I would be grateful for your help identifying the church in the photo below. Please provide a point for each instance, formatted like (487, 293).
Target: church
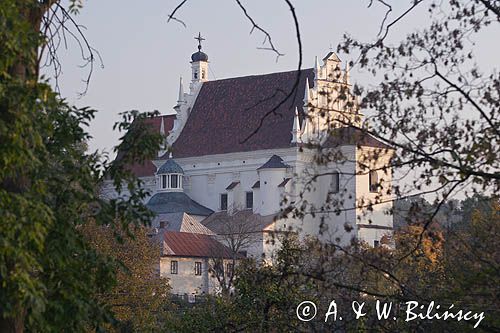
(239, 152)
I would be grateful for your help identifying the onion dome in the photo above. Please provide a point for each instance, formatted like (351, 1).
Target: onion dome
(199, 56)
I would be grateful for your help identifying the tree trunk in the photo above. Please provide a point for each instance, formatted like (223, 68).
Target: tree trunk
(25, 70)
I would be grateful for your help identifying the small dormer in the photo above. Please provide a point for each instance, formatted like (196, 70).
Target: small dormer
(169, 177)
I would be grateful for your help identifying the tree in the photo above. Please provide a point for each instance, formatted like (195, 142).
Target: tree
(139, 295)
(49, 185)
(240, 232)
(433, 103)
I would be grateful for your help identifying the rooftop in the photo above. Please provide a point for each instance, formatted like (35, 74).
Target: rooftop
(227, 112)
(176, 202)
(147, 168)
(275, 162)
(185, 244)
(181, 222)
(170, 166)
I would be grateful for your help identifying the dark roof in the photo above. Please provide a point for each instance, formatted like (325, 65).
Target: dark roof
(199, 56)
(257, 184)
(275, 162)
(185, 244)
(353, 136)
(176, 202)
(226, 112)
(170, 166)
(284, 182)
(232, 185)
(148, 168)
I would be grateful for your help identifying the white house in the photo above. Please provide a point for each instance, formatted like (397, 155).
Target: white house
(195, 263)
(238, 147)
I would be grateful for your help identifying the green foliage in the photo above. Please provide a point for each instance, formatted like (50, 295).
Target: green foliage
(50, 276)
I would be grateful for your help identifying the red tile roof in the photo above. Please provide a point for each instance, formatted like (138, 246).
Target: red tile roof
(148, 168)
(185, 244)
(227, 111)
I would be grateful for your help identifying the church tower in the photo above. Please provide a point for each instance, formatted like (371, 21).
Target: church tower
(199, 64)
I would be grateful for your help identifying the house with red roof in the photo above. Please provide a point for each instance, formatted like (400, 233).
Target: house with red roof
(196, 263)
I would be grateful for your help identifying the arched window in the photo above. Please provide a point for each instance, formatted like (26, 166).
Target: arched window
(174, 181)
(374, 183)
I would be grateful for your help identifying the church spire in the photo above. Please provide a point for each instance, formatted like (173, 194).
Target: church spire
(307, 94)
(163, 145)
(305, 135)
(317, 69)
(162, 126)
(347, 75)
(296, 127)
(181, 99)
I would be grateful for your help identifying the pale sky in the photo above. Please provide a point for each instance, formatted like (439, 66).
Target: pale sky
(144, 56)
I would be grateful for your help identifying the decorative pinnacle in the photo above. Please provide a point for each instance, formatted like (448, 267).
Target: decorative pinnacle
(199, 38)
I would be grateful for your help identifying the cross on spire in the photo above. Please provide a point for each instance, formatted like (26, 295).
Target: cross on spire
(199, 38)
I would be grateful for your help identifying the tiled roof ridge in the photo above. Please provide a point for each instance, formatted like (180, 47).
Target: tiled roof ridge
(257, 75)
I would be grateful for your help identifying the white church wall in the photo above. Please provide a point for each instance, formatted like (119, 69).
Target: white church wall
(270, 199)
(256, 200)
(209, 176)
(379, 215)
(328, 226)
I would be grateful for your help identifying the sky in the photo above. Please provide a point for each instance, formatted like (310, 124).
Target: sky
(143, 55)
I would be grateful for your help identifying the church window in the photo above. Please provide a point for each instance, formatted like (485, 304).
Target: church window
(195, 74)
(335, 182)
(164, 181)
(373, 180)
(249, 200)
(376, 243)
(174, 181)
(202, 73)
(174, 267)
(197, 268)
(223, 201)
